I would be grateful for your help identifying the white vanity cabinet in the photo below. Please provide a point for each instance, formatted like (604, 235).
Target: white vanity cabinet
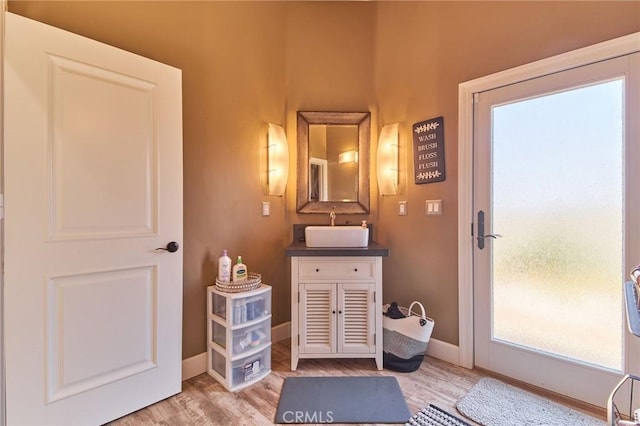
(336, 308)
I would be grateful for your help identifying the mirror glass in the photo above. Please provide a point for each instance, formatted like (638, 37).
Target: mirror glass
(333, 162)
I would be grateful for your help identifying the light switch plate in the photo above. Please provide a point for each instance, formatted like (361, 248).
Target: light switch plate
(433, 207)
(402, 208)
(266, 208)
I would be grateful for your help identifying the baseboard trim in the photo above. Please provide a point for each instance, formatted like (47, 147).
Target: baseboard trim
(444, 351)
(193, 366)
(281, 332)
(197, 364)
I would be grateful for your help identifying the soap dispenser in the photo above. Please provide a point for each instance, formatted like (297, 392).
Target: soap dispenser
(239, 270)
(224, 267)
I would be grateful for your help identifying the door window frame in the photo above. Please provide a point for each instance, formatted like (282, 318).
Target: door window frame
(3, 8)
(466, 94)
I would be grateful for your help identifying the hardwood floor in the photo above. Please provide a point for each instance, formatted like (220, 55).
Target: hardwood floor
(204, 401)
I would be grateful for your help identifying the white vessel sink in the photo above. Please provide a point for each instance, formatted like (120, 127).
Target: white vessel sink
(336, 236)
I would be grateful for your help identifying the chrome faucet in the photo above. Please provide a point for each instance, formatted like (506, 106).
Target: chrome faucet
(332, 216)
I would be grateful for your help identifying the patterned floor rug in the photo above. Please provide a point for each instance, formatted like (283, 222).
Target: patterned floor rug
(434, 416)
(494, 403)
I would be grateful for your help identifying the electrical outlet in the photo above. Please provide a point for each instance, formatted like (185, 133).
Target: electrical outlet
(266, 208)
(402, 208)
(433, 207)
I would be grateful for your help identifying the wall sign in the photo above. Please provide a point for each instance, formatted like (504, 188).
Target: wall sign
(428, 151)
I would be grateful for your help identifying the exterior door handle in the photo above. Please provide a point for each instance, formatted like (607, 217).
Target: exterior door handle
(494, 236)
(171, 247)
(481, 236)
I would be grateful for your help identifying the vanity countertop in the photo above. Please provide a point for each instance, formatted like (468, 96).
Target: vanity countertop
(299, 248)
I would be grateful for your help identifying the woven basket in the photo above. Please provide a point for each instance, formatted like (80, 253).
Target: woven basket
(402, 346)
(409, 336)
(252, 282)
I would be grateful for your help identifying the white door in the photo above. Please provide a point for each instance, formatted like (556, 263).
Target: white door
(556, 163)
(93, 185)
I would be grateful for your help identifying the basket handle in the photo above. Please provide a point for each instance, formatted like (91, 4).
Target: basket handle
(423, 318)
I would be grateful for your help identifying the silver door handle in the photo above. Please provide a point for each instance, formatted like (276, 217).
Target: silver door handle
(494, 236)
(481, 235)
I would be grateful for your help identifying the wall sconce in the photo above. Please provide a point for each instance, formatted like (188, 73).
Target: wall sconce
(348, 157)
(278, 158)
(388, 160)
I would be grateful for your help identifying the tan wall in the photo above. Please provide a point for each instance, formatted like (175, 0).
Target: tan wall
(423, 51)
(330, 67)
(248, 63)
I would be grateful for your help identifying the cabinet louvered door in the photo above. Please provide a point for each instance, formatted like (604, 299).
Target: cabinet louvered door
(318, 318)
(356, 332)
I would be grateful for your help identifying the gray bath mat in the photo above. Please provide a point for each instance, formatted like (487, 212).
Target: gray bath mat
(494, 403)
(376, 399)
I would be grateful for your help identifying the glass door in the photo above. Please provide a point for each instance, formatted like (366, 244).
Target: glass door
(552, 196)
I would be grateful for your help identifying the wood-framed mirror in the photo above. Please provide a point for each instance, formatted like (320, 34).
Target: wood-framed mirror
(333, 162)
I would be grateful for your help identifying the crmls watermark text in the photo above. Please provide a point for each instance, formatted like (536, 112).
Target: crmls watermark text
(307, 416)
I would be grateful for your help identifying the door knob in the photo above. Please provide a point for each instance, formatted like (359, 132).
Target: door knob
(171, 247)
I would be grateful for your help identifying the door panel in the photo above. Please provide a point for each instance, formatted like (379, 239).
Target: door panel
(355, 325)
(119, 151)
(549, 156)
(80, 345)
(318, 318)
(93, 185)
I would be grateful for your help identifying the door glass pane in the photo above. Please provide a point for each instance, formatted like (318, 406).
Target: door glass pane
(558, 202)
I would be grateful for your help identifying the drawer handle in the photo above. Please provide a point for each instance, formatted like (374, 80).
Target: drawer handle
(333, 312)
(317, 269)
(356, 269)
